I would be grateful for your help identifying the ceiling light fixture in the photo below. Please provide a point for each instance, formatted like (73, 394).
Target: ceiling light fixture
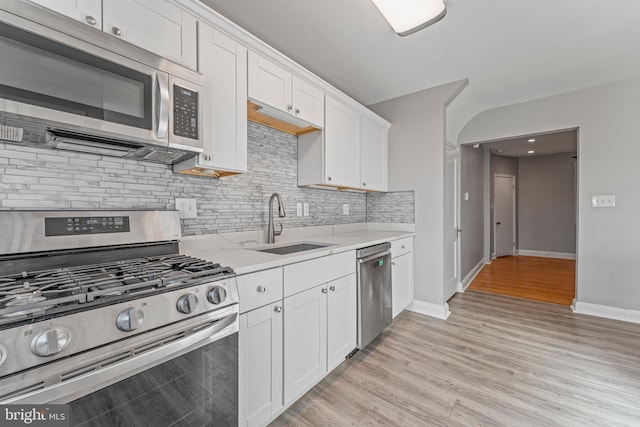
(408, 16)
(530, 152)
(532, 140)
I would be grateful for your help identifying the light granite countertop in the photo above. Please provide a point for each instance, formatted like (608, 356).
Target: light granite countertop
(237, 250)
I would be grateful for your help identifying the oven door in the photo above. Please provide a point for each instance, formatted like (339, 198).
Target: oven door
(182, 374)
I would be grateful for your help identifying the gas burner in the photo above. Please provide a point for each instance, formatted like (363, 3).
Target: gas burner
(25, 300)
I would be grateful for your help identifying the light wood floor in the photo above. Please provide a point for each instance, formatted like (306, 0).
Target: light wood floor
(541, 279)
(497, 361)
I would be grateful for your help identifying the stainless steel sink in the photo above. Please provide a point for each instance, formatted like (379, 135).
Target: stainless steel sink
(296, 247)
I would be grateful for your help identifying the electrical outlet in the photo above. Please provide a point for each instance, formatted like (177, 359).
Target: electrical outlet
(345, 209)
(298, 209)
(305, 209)
(187, 208)
(608, 201)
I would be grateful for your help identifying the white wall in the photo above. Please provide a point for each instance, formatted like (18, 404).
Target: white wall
(472, 210)
(608, 118)
(416, 162)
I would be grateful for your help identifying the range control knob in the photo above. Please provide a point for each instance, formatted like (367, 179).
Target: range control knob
(216, 295)
(3, 354)
(50, 342)
(187, 303)
(130, 319)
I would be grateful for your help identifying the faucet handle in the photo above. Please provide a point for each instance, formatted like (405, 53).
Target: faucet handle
(277, 233)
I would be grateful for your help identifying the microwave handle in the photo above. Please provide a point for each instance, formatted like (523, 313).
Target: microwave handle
(162, 105)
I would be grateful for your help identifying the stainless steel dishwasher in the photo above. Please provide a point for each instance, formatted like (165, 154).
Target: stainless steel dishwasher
(374, 291)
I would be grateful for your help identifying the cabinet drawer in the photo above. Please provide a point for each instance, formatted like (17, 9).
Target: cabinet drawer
(258, 289)
(305, 275)
(401, 246)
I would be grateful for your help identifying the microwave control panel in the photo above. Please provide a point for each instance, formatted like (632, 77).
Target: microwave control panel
(185, 112)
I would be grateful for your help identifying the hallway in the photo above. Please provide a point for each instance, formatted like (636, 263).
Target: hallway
(540, 279)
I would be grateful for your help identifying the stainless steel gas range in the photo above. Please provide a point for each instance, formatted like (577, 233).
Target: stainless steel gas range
(99, 310)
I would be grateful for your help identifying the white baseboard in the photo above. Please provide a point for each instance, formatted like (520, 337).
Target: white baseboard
(547, 254)
(429, 309)
(469, 277)
(609, 312)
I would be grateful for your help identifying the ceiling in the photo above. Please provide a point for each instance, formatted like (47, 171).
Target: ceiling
(550, 143)
(511, 51)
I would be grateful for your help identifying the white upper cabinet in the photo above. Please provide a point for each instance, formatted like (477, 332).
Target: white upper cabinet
(86, 11)
(223, 63)
(158, 26)
(342, 145)
(373, 155)
(308, 102)
(350, 153)
(273, 86)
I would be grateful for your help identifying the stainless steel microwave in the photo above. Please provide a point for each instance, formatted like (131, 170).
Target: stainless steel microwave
(80, 81)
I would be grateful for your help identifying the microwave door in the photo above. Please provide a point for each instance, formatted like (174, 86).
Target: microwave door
(49, 81)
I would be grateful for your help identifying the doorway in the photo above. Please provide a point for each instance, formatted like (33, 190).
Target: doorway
(528, 238)
(504, 208)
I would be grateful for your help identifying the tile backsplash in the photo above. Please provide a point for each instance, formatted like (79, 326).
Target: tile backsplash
(33, 178)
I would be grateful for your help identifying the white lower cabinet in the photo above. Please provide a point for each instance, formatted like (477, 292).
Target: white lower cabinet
(305, 340)
(342, 334)
(260, 364)
(401, 274)
(319, 332)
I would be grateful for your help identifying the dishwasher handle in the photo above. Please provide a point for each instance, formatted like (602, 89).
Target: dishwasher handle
(373, 257)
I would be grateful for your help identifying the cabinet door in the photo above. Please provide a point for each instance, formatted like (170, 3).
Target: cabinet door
(308, 102)
(269, 83)
(223, 62)
(373, 157)
(341, 319)
(342, 144)
(401, 282)
(305, 341)
(155, 25)
(86, 11)
(260, 364)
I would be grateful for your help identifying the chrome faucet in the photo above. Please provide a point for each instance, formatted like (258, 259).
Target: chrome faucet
(272, 233)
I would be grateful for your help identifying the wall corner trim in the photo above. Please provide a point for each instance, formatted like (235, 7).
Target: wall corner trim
(472, 275)
(430, 309)
(624, 314)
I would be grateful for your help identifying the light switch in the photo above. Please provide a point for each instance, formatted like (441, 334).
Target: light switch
(607, 201)
(466, 195)
(345, 209)
(305, 209)
(298, 209)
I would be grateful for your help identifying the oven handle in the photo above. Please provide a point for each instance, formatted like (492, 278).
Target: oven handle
(162, 104)
(75, 388)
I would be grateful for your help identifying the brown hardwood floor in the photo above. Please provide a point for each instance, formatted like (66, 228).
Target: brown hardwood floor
(497, 361)
(541, 279)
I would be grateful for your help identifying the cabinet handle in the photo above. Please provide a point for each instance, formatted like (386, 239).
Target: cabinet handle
(297, 111)
(277, 309)
(116, 31)
(402, 246)
(90, 20)
(393, 263)
(328, 178)
(332, 288)
(364, 184)
(206, 157)
(261, 289)
(324, 290)
(289, 107)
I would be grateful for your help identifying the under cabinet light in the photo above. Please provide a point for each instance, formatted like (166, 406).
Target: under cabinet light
(408, 16)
